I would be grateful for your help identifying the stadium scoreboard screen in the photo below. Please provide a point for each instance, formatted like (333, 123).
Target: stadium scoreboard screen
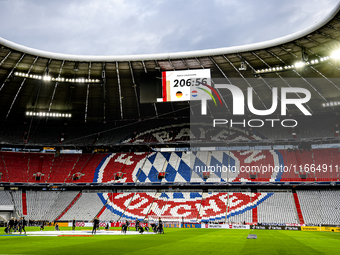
(172, 86)
(180, 85)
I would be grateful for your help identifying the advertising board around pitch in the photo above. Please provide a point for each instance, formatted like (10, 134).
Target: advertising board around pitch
(225, 226)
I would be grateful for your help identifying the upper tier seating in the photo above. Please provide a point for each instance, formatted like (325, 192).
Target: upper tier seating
(177, 167)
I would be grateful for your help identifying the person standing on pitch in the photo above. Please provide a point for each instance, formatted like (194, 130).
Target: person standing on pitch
(137, 224)
(16, 225)
(160, 226)
(95, 224)
(22, 225)
(74, 224)
(10, 225)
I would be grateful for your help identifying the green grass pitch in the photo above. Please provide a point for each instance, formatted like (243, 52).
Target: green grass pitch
(178, 241)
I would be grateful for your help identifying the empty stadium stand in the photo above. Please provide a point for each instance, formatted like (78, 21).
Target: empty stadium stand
(177, 167)
(274, 207)
(278, 208)
(67, 206)
(320, 207)
(6, 198)
(85, 208)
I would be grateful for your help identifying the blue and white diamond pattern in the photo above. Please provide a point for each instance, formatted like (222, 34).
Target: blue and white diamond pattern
(177, 167)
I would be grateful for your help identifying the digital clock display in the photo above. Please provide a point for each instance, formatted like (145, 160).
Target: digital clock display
(180, 85)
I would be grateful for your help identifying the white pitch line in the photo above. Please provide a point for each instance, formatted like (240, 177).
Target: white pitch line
(80, 233)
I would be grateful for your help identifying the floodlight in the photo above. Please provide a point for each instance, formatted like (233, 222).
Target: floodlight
(299, 64)
(335, 54)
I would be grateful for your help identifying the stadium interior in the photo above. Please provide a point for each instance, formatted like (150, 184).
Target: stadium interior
(77, 142)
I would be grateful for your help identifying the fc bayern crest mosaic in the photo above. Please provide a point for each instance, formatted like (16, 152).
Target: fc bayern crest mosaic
(190, 166)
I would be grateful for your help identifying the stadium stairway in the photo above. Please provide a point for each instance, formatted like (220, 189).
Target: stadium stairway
(161, 205)
(127, 206)
(69, 206)
(5, 175)
(24, 203)
(201, 210)
(254, 212)
(101, 211)
(154, 204)
(298, 208)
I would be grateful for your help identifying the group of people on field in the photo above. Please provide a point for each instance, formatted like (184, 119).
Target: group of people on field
(156, 228)
(15, 225)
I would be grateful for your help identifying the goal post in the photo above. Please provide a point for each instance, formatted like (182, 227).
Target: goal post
(168, 221)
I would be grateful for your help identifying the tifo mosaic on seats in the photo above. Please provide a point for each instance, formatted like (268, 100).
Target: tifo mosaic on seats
(277, 207)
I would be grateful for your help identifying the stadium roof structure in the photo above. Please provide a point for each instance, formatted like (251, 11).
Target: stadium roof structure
(106, 88)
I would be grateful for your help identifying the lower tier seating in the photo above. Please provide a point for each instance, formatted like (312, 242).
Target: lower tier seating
(275, 207)
(320, 207)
